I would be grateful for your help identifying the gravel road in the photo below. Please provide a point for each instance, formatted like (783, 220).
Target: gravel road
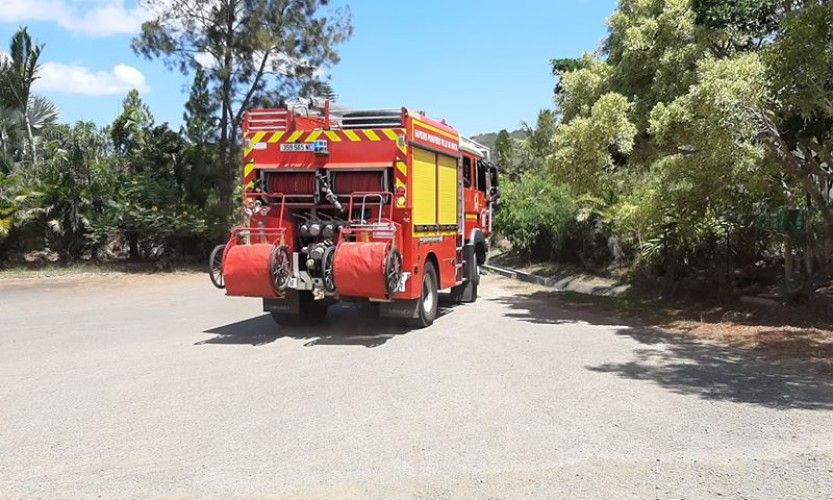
(159, 386)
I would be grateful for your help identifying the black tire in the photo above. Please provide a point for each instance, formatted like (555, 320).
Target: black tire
(311, 312)
(428, 300)
(215, 266)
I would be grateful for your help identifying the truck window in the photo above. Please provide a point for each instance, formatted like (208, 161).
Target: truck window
(482, 173)
(466, 171)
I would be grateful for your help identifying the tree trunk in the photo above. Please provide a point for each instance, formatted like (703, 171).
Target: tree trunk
(788, 266)
(226, 187)
(31, 136)
(133, 245)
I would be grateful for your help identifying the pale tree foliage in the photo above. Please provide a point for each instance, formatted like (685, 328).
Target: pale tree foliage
(700, 117)
(653, 49)
(708, 163)
(580, 89)
(586, 145)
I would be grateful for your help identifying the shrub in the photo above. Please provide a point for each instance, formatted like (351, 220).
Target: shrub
(536, 215)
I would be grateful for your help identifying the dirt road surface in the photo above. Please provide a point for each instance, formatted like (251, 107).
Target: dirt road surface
(159, 386)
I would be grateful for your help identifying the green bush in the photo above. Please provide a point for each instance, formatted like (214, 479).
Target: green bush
(536, 215)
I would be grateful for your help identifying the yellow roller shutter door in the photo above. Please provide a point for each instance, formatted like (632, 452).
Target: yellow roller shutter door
(424, 179)
(447, 191)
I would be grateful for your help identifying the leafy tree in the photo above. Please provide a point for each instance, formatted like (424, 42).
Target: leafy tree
(200, 123)
(536, 215)
(503, 148)
(738, 25)
(127, 130)
(586, 148)
(160, 204)
(653, 50)
(799, 130)
(563, 66)
(77, 182)
(251, 51)
(582, 87)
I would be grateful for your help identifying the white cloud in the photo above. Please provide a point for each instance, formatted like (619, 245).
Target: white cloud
(75, 79)
(96, 18)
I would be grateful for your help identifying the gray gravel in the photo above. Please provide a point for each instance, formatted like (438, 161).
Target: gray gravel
(159, 386)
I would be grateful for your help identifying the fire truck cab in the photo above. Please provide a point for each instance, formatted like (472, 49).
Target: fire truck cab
(385, 205)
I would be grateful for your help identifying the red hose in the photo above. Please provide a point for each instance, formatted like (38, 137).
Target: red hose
(246, 271)
(355, 182)
(359, 269)
(292, 183)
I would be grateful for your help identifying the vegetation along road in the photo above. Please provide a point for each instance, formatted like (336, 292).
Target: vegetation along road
(137, 385)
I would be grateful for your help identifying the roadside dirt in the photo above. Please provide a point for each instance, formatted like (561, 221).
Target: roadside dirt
(785, 333)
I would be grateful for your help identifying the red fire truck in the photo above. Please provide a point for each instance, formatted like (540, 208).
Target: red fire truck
(385, 205)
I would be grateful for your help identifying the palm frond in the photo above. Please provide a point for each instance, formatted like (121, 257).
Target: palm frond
(41, 112)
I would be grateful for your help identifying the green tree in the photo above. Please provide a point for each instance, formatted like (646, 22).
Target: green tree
(738, 25)
(76, 182)
(251, 51)
(160, 204)
(18, 79)
(503, 148)
(19, 108)
(798, 130)
(127, 130)
(660, 134)
(200, 122)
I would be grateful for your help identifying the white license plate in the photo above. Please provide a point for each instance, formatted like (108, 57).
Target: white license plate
(298, 148)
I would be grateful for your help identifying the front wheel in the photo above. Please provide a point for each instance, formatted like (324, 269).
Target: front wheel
(427, 308)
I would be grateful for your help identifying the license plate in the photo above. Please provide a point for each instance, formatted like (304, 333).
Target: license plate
(298, 148)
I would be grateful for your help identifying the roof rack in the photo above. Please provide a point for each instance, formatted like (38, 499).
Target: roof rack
(271, 119)
(371, 118)
(319, 109)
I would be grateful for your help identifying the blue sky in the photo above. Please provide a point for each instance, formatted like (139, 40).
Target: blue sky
(480, 64)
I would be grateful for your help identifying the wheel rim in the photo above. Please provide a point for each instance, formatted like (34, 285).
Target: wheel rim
(215, 266)
(280, 270)
(327, 270)
(393, 271)
(427, 294)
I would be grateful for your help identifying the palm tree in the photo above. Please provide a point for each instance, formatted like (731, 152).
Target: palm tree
(20, 72)
(10, 120)
(40, 112)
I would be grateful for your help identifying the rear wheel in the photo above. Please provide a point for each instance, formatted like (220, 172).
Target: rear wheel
(310, 312)
(427, 307)
(215, 266)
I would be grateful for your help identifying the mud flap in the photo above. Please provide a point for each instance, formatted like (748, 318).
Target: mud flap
(408, 309)
(289, 304)
(470, 268)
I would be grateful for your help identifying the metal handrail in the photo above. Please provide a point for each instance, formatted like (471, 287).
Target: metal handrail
(364, 196)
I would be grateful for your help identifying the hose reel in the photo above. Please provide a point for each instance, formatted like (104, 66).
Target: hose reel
(280, 267)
